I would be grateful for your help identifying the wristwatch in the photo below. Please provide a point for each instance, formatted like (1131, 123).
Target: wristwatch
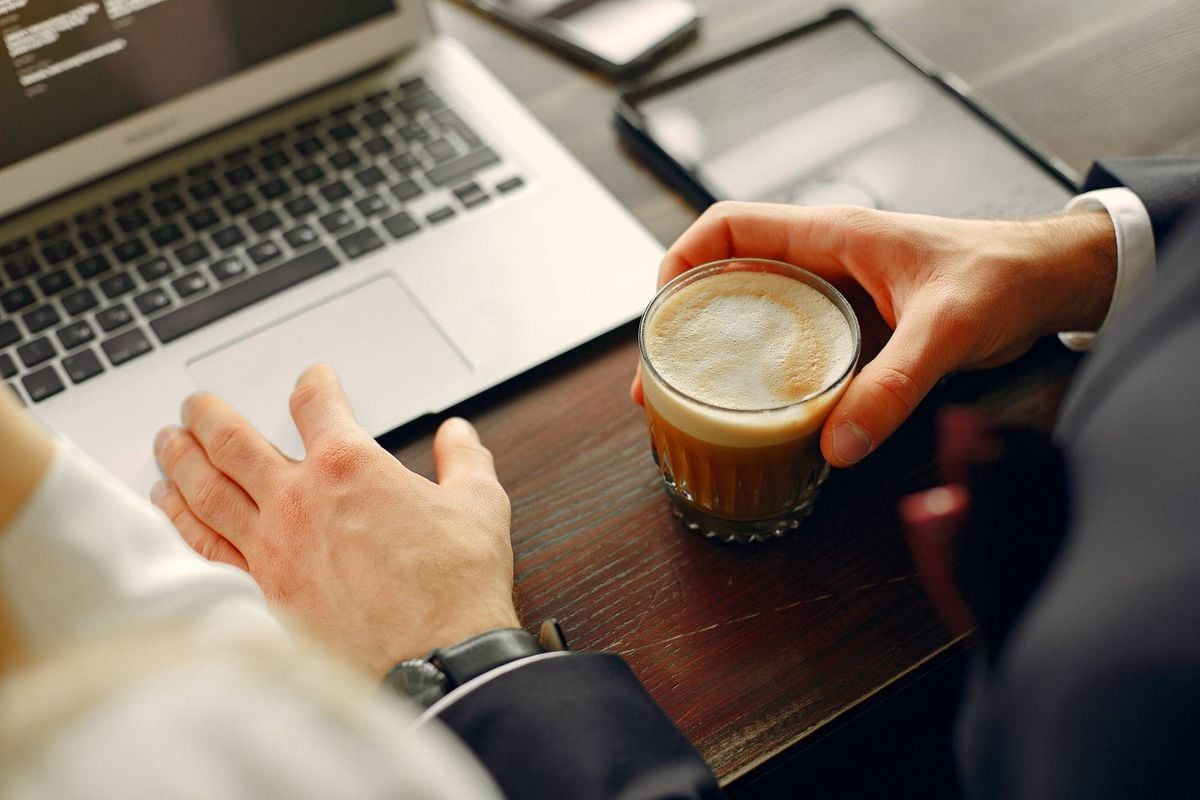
(427, 680)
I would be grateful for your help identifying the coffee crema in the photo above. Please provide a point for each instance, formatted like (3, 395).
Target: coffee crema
(746, 341)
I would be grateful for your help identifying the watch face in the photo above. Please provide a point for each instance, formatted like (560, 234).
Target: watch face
(418, 680)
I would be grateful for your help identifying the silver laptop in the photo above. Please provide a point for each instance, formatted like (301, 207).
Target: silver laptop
(214, 194)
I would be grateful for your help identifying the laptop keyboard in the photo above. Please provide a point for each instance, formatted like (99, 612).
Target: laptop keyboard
(113, 282)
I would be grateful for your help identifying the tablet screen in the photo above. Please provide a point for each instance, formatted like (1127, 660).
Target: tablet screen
(833, 115)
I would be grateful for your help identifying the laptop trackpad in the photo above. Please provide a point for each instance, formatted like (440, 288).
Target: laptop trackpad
(392, 359)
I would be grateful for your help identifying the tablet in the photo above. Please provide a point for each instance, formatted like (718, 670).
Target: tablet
(837, 112)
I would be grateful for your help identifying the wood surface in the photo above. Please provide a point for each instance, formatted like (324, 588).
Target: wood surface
(754, 649)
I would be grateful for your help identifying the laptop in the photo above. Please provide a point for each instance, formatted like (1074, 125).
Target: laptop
(215, 194)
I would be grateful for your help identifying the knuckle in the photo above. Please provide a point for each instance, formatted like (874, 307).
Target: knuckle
(899, 385)
(208, 495)
(338, 461)
(226, 442)
(302, 397)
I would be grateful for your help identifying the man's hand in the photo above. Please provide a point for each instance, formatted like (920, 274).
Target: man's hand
(958, 294)
(375, 560)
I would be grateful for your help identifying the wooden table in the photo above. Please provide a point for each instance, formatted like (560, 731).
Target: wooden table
(754, 650)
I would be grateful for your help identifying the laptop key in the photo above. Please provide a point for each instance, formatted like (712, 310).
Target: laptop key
(406, 190)
(133, 220)
(266, 221)
(42, 384)
(94, 237)
(204, 190)
(130, 250)
(275, 161)
(14, 246)
(55, 282)
(154, 300)
(401, 225)
(154, 269)
(191, 253)
(167, 234)
(462, 167)
(203, 219)
(508, 184)
(370, 177)
(75, 334)
(92, 266)
(79, 301)
(238, 203)
(126, 346)
(377, 118)
(9, 333)
(340, 133)
(372, 205)
(16, 299)
(277, 187)
(335, 221)
(440, 150)
(344, 159)
(227, 269)
(378, 146)
(52, 230)
(263, 252)
(114, 317)
(309, 146)
(21, 267)
(233, 298)
(300, 237)
(41, 318)
(404, 163)
(452, 121)
(165, 185)
(36, 352)
(8, 367)
(117, 285)
(83, 365)
(90, 214)
(59, 251)
(471, 195)
(360, 243)
(310, 173)
(171, 204)
(300, 207)
(440, 215)
(335, 191)
(243, 174)
(128, 199)
(187, 285)
(228, 237)
(237, 154)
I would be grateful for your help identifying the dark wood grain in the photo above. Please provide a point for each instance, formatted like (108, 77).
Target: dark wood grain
(752, 650)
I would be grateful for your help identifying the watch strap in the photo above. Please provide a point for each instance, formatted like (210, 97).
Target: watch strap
(472, 657)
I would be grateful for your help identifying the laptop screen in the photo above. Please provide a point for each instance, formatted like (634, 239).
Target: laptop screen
(70, 67)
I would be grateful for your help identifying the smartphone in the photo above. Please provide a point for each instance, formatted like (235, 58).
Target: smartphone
(837, 112)
(618, 37)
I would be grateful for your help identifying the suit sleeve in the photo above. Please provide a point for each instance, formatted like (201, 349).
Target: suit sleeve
(578, 726)
(1169, 186)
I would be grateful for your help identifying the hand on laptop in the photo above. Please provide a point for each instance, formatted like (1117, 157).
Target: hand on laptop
(375, 560)
(958, 294)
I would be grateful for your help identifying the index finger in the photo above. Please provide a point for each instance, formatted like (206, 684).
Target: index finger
(812, 237)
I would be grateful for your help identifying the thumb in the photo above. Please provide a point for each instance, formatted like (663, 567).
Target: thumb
(888, 389)
(459, 456)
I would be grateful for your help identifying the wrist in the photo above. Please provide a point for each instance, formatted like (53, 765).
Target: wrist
(1077, 255)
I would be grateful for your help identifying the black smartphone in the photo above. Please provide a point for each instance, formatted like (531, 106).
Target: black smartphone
(837, 112)
(618, 37)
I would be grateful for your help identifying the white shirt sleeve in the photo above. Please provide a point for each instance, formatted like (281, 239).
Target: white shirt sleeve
(1135, 253)
(87, 559)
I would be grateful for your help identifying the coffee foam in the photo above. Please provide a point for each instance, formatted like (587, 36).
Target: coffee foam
(747, 341)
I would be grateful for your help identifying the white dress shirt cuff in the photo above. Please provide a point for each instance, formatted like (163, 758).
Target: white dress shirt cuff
(87, 559)
(1135, 253)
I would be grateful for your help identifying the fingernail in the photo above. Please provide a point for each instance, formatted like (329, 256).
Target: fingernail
(850, 443)
(460, 425)
(160, 441)
(158, 491)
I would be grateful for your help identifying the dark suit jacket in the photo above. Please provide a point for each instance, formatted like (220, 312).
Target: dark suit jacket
(1096, 692)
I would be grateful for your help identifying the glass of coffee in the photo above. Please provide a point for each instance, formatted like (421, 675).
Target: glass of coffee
(742, 361)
